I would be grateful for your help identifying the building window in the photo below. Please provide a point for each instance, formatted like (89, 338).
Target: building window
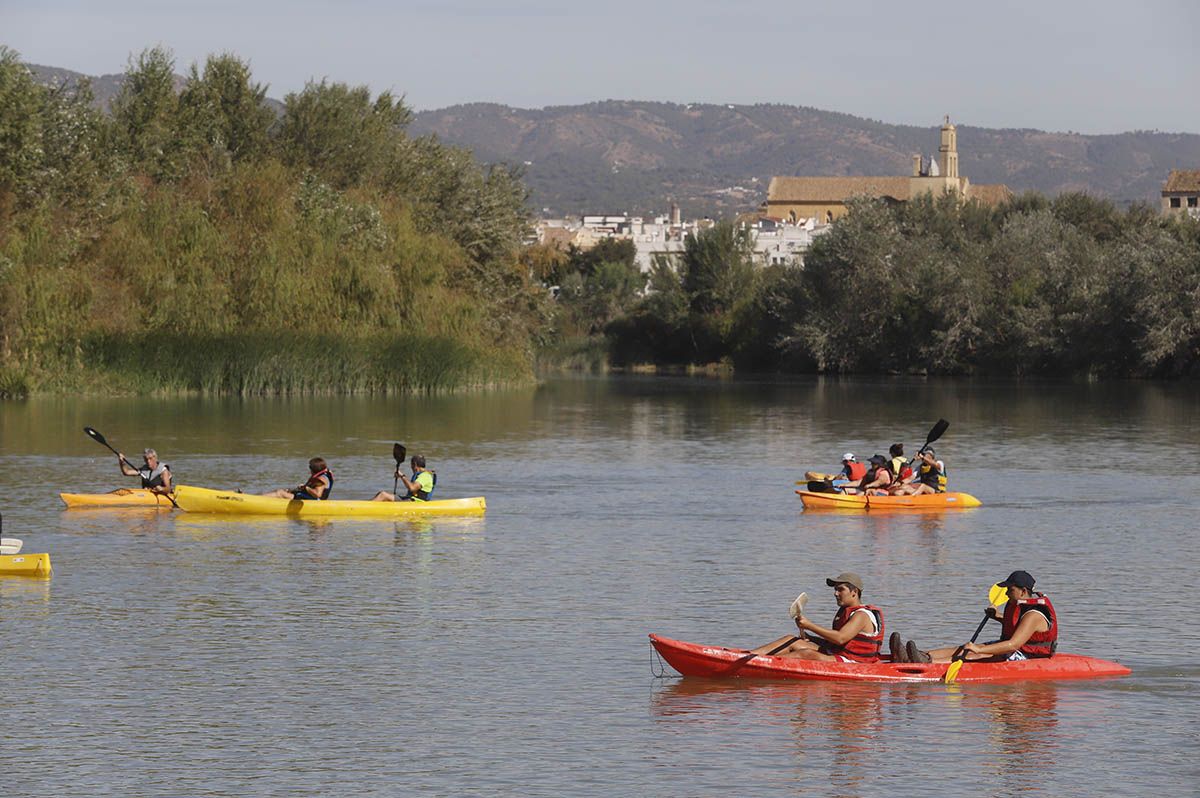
(1174, 202)
(1192, 201)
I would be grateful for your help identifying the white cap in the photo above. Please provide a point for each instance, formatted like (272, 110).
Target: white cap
(848, 456)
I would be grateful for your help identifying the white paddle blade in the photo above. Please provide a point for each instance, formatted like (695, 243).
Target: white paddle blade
(10, 545)
(797, 608)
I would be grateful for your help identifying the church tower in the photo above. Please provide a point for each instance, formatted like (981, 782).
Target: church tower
(948, 151)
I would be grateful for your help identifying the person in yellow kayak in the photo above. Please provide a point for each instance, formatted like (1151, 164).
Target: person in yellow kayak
(155, 476)
(420, 486)
(1028, 629)
(855, 636)
(318, 486)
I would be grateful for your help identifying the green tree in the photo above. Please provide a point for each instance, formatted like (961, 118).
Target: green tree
(145, 115)
(21, 153)
(341, 133)
(223, 113)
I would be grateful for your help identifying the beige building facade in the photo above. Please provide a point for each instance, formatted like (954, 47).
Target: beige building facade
(1181, 192)
(825, 198)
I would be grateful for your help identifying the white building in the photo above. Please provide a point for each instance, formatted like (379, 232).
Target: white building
(775, 241)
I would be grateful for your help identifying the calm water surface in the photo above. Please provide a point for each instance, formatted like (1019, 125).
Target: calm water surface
(177, 654)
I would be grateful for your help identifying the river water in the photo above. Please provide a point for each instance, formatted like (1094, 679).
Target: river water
(175, 654)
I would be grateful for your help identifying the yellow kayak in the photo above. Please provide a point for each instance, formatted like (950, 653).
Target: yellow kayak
(122, 497)
(203, 500)
(25, 565)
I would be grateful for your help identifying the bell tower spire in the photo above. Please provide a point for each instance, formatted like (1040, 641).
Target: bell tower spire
(948, 150)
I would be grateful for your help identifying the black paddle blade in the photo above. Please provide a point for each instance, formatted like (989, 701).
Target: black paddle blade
(398, 452)
(938, 430)
(94, 435)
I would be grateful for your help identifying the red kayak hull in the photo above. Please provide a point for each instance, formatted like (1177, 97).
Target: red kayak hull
(692, 659)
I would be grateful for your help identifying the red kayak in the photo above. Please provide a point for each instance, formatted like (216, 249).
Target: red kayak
(691, 659)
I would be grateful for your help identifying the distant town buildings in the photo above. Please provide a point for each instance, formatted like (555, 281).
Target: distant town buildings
(797, 209)
(775, 240)
(1181, 193)
(825, 198)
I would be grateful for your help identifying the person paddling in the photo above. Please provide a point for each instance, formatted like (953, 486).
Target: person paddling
(155, 476)
(318, 486)
(420, 486)
(1028, 629)
(930, 476)
(856, 634)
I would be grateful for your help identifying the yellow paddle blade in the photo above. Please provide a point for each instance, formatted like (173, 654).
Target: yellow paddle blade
(997, 595)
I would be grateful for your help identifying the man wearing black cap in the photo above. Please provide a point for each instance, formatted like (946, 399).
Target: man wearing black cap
(1028, 628)
(857, 632)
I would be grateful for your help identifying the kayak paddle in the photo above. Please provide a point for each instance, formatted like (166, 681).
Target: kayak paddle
(996, 596)
(98, 438)
(398, 452)
(938, 430)
(796, 610)
(8, 545)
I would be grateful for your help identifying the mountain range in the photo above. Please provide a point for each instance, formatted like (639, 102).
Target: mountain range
(639, 157)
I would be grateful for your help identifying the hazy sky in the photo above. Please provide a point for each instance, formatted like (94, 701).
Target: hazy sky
(1093, 67)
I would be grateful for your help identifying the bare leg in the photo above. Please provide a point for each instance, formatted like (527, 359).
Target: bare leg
(383, 496)
(947, 655)
(923, 488)
(282, 493)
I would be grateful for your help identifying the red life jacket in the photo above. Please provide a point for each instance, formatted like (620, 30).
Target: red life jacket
(1039, 644)
(857, 471)
(315, 482)
(862, 647)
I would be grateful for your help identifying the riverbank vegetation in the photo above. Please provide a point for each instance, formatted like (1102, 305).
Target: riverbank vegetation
(197, 240)
(1071, 286)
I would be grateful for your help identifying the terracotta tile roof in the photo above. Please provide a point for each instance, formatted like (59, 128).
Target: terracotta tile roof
(834, 189)
(1182, 180)
(558, 237)
(989, 193)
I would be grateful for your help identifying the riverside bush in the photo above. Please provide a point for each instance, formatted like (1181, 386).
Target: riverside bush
(190, 242)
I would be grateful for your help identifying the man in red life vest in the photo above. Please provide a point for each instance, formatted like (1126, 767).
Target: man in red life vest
(856, 635)
(1028, 628)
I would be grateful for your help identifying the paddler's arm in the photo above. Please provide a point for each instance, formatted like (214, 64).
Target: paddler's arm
(1031, 622)
(166, 486)
(840, 637)
(126, 469)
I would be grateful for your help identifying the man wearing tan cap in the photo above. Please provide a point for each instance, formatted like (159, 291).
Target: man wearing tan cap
(856, 634)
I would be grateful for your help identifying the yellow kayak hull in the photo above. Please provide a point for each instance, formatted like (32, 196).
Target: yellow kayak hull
(203, 500)
(37, 565)
(122, 497)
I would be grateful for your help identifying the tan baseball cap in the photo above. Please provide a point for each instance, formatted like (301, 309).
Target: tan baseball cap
(846, 578)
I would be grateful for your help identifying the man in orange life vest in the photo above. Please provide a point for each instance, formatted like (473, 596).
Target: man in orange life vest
(856, 635)
(1029, 628)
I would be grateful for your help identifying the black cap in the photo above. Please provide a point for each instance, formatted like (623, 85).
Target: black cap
(878, 459)
(1019, 579)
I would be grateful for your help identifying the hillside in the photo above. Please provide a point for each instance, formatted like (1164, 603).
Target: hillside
(617, 156)
(639, 156)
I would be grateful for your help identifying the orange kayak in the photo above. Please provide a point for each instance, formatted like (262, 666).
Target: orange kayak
(926, 501)
(691, 659)
(121, 497)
